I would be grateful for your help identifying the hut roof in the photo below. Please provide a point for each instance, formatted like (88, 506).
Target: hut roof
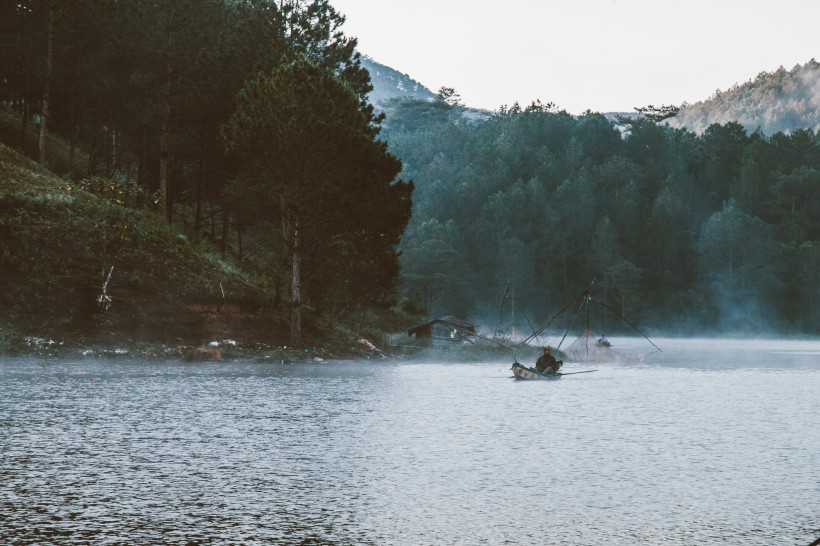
(448, 320)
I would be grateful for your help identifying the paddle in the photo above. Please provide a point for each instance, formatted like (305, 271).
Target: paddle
(573, 373)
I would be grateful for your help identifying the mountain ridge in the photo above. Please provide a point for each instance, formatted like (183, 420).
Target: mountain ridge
(778, 101)
(389, 83)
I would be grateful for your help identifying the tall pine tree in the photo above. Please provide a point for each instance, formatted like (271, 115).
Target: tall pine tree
(307, 151)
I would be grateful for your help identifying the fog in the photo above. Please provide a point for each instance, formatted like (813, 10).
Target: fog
(730, 353)
(705, 353)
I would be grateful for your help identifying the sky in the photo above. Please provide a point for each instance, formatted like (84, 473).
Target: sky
(599, 55)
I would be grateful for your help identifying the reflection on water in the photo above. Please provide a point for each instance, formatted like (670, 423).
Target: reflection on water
(707, 442)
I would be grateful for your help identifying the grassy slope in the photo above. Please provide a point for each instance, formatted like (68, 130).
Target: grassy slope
(58, 242)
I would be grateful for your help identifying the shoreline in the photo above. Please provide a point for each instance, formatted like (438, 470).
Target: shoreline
(228, 351)
(215, 351)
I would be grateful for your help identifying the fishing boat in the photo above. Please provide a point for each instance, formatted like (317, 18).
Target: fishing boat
(523, 372)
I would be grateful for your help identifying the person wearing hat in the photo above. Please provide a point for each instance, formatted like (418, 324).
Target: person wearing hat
(546, 363)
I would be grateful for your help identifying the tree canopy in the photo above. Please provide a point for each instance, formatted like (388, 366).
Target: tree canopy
(682, 232)
(141, 92)
(307, 154)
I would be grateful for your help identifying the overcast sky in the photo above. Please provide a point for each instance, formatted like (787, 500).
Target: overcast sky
(602, 55)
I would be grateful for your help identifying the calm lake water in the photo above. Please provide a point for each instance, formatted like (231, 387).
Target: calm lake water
(708, 442)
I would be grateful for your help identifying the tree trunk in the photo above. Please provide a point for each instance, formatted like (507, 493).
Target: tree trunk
(200, 183)
(296, 289)
(115, 152)
(26, 113)
(239, 239)
(163, 170)
(226, 230)
(92, 154)
(72, 144)
(47, 88)
(142, 160)
(108, 150)
(163, 142)
(212, 216)
(169, 208)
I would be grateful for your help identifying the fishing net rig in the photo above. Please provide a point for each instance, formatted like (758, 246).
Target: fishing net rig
(582, 303)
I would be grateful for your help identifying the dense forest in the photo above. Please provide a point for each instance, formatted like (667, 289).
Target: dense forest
(681, 232)
(242, 123)
(247, 125)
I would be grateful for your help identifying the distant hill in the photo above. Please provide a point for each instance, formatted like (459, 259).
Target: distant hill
(389, 84)
(774, 101)
(780, 101)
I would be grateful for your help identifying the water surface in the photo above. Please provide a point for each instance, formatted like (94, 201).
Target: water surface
(708, 442)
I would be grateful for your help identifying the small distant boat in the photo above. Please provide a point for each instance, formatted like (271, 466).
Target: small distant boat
(523, 372)
(589, 349)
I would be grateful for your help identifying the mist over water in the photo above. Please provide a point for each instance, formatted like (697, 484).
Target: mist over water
(707, 442)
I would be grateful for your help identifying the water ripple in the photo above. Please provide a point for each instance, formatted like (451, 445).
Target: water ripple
(390, 453)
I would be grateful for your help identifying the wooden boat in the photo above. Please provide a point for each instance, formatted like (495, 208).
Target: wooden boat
(523, 372)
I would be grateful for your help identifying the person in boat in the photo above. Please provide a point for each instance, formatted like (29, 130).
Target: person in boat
(604, 342)
(547, 363)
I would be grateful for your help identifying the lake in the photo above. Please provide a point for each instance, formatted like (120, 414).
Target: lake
(707, 442)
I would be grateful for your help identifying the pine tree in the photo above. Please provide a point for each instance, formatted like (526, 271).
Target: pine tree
(307, 152)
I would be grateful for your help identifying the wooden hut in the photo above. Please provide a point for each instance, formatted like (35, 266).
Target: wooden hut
(443, 332)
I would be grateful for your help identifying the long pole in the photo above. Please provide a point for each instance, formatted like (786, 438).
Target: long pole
(626, 321)
(512, 333)
(564, 308)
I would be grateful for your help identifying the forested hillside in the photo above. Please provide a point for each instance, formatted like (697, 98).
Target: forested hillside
(243, 124)
(779, 101)
(711, 233)
(247, 127)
